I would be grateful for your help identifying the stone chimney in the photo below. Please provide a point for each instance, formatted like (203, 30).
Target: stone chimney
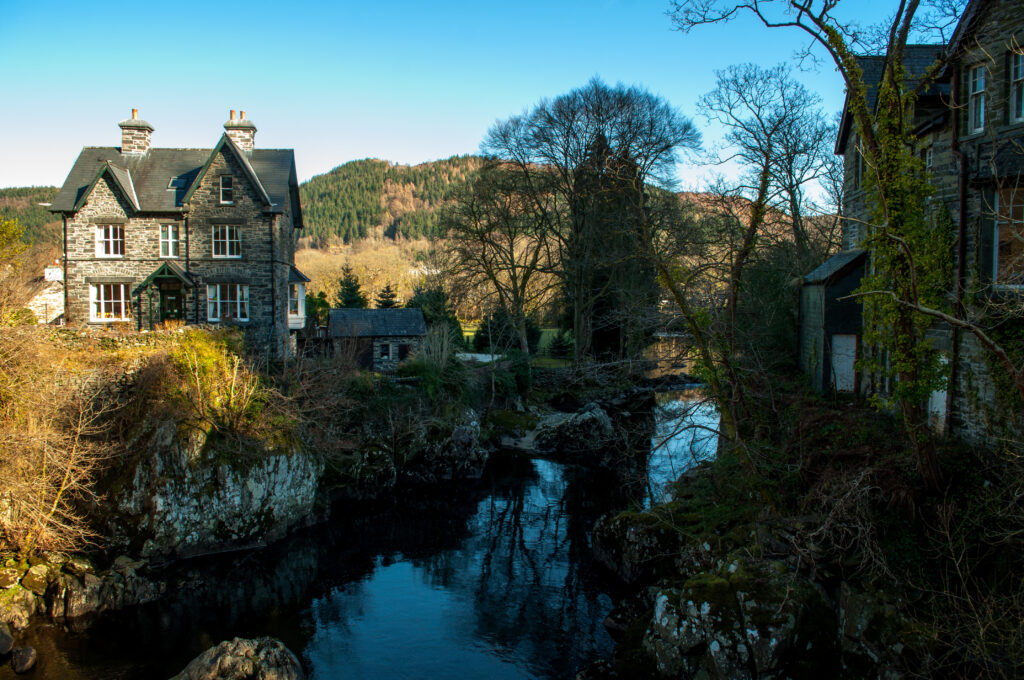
(135, 134)
(241, 131)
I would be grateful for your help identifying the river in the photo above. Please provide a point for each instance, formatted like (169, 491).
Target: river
(486, 580)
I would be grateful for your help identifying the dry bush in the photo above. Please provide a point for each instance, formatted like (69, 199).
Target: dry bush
(54, 408)
(375, 262)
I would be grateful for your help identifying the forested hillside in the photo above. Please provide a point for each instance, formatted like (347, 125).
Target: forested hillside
(22, 203)
(370, 196)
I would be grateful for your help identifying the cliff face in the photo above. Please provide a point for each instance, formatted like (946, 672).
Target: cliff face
(182, 497)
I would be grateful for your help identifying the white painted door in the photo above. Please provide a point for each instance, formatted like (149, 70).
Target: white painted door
(844, 354)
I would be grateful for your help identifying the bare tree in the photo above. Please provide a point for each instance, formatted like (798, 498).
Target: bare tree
(550, 145)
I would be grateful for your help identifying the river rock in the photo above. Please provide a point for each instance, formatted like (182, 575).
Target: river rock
(242, 659)
(23, 659)
(17, 606)
(743, 621)
(6, 639)
(8, 578)
(184, 499)
(458, 456)
(36, 579)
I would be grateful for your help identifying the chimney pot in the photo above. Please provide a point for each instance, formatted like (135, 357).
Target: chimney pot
(243, 115)
(232, 114)
(136, 134)
(135, 114)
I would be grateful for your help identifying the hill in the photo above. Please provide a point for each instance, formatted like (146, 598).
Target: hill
(22, 203)
(376, 198)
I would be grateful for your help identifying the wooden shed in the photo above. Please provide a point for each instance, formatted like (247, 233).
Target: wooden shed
(830, 329)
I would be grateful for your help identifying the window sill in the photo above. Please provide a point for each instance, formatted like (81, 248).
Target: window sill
(170, 257)
(110, 257)
(227, 257)
(227, 320)
(226, 203)
(106, 321)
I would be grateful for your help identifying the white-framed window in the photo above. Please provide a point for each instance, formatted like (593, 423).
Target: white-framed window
(385, 350)
(1017, 87)
(976, 99)
(227, 240)
(109, 302)
(1008, 240)
(227, 190)
(168, 240)
(109, 240)
(296, 299)
(227, 302)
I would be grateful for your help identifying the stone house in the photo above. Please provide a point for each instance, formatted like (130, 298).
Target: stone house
(155, 236)
(378, 339)
(969, 128)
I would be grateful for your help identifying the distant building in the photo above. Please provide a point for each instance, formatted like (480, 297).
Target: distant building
(377, 339)
(156, 235)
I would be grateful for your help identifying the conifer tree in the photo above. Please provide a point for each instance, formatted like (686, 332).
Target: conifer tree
(387, 298)
(350, 295)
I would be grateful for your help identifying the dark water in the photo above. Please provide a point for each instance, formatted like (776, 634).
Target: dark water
(490, 580)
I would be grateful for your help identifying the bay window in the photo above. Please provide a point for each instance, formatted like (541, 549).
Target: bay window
(227, 301)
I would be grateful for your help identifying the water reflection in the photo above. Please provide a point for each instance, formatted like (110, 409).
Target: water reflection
(686, 433)
(492, 580)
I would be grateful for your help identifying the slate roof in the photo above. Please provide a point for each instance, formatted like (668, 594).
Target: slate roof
(149, 176)
(375, 323)
(916, 58)
(295, 276)
(834, 265)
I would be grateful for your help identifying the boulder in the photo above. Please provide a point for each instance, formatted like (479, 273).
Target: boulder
(8, 578)
(243, 659)
(23, 659)
(36, 579)
(6, 639)
(745, 620)
(16, 606)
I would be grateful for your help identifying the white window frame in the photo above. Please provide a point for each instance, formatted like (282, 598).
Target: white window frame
(170, 243)
(110, 241)
(976, 99)
(1017, 87)
(229, 241)
(109, 302)
(296, 299)
(227, 190)
(1018, 194)
(221, 297)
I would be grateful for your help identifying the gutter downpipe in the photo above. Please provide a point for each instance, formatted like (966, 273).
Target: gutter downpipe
(64, 220)
(961, 267)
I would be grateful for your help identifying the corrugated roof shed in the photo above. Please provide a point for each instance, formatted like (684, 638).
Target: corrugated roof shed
(375, 323)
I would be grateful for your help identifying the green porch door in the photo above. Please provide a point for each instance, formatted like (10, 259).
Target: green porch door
(172, 301)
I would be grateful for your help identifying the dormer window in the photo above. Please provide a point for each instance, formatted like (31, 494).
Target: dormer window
(227, 191)
(976, 99)
(1017, 87)
(176, 183)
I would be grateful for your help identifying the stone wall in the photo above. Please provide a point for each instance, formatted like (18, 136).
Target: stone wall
(390, 364)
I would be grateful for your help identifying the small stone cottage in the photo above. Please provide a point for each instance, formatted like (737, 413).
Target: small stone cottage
(377, 339)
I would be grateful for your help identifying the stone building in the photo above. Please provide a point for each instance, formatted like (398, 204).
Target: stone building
(158, 236)
(377, 339)
(969, 128)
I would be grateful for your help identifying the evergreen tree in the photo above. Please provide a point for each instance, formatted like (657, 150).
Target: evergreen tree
(387, 298)
(350, 295)
(436, 308)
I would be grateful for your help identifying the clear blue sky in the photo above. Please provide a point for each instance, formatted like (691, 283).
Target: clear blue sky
(403, 81)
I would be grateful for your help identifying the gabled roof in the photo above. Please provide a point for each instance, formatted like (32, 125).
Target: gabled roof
(169, 269)
(835, 265)
(295, 276)
(375, 323)
(225, 143)
(967, 21)
(916, 59)
(148, 177)
(120, 177)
